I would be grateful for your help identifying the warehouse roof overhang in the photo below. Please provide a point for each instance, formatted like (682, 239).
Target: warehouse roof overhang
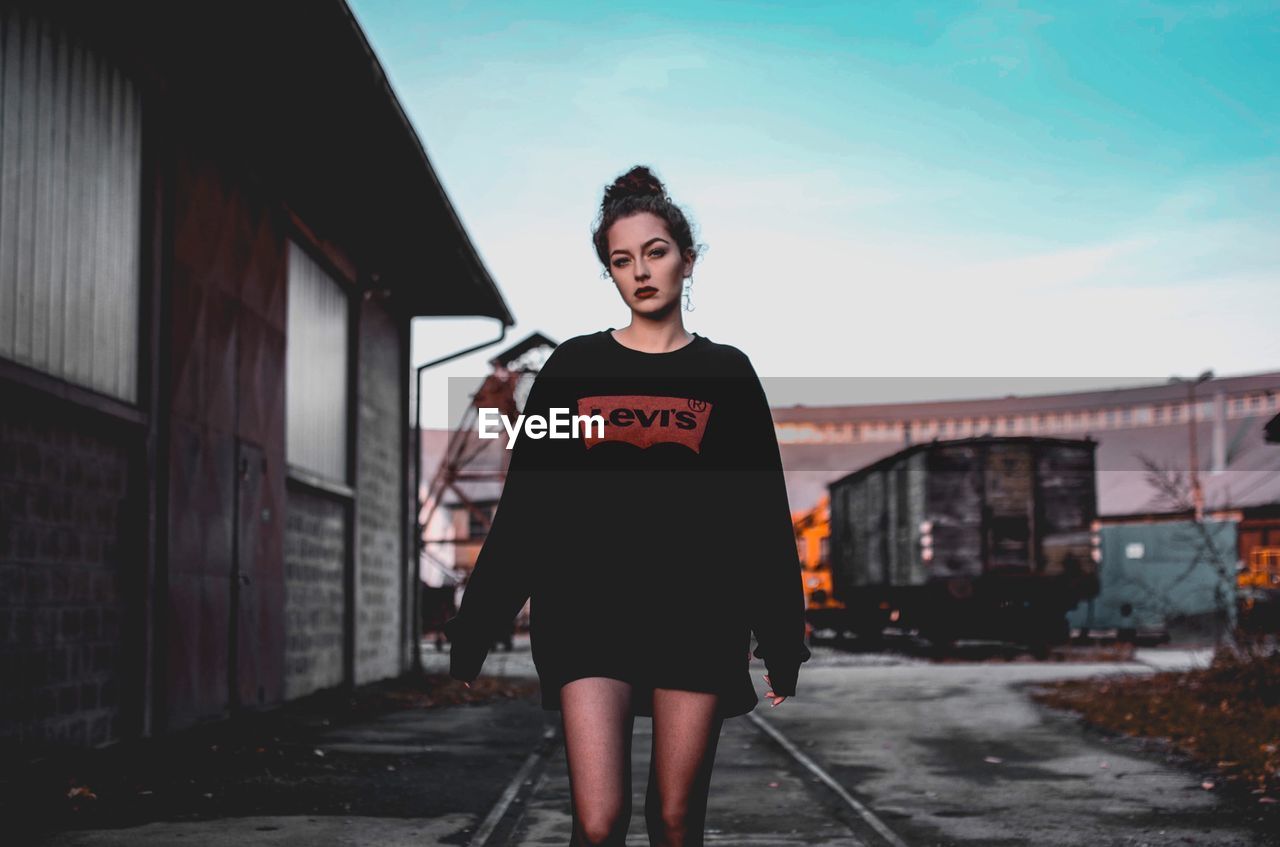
(293, 90)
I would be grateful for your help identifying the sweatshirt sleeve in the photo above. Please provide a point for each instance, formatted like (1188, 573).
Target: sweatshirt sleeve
(775, 591)
(502, 577)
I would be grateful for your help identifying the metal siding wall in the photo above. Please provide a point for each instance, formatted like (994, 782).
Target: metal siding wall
(954, 501)
(1066, 491)
(316, 381)
(70, 209)
(917, 483)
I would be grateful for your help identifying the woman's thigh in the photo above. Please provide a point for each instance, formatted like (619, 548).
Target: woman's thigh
(686, 730)
(598, 724)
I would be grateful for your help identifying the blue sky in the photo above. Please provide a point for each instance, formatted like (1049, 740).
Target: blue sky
(1070, 189)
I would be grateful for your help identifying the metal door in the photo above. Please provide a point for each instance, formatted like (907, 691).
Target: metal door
(248, 650)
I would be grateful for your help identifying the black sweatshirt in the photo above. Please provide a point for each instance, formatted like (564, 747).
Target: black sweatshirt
(650, 550)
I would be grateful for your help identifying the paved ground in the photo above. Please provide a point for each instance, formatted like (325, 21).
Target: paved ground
(958, 755)
(877, 749)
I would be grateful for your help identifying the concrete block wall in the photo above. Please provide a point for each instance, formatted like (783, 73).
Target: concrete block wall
(69, 526)
(314, 562)
(379, 546)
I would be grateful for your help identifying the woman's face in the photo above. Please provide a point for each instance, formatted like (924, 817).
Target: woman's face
(646, 264)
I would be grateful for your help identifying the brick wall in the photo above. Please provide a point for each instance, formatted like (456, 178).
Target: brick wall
(69, 527)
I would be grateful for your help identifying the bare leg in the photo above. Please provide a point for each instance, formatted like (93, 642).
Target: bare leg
(598, 722)
(686, 731)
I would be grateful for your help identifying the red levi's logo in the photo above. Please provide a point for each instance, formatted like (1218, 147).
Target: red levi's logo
(644, 420)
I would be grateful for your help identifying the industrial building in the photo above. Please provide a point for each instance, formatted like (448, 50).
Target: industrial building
(216, 225)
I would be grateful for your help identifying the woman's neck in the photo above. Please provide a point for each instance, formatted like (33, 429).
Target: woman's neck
(654, 339)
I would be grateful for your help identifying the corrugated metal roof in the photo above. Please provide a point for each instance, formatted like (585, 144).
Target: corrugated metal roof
(1060, 402)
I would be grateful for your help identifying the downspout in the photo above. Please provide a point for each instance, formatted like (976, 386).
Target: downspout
(417, 487)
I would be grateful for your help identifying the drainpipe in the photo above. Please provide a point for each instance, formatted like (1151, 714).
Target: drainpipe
(1197, 493)
(1219, 432)
(417, 487)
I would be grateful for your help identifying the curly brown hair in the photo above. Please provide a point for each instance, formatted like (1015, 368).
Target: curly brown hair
(639, 190)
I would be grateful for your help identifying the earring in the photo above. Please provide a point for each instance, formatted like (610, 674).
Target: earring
(688, 299)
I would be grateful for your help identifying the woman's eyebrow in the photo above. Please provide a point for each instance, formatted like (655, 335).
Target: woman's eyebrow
(642, 246)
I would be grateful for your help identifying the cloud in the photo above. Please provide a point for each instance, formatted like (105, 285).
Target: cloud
(1162, 291)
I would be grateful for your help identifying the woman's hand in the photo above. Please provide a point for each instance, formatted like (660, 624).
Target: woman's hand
(776, 700)
(769, 693)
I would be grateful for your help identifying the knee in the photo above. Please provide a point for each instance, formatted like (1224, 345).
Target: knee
(675, 824)
(601, 829)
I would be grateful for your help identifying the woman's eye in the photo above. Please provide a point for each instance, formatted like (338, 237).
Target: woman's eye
(658, 253)
(619, 263)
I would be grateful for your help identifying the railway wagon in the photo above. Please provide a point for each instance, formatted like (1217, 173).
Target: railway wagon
(985, 537)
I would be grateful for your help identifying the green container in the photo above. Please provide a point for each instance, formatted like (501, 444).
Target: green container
(1162, 579)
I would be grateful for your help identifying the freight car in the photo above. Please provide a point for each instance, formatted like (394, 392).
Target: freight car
(985, 537)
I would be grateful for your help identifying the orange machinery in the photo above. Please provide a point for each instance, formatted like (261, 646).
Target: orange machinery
(813, 532)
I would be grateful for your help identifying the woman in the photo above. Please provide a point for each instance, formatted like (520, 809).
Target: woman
(650, 546)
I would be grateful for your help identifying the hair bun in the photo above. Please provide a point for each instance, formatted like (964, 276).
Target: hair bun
(635, 192)
(637, 182)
